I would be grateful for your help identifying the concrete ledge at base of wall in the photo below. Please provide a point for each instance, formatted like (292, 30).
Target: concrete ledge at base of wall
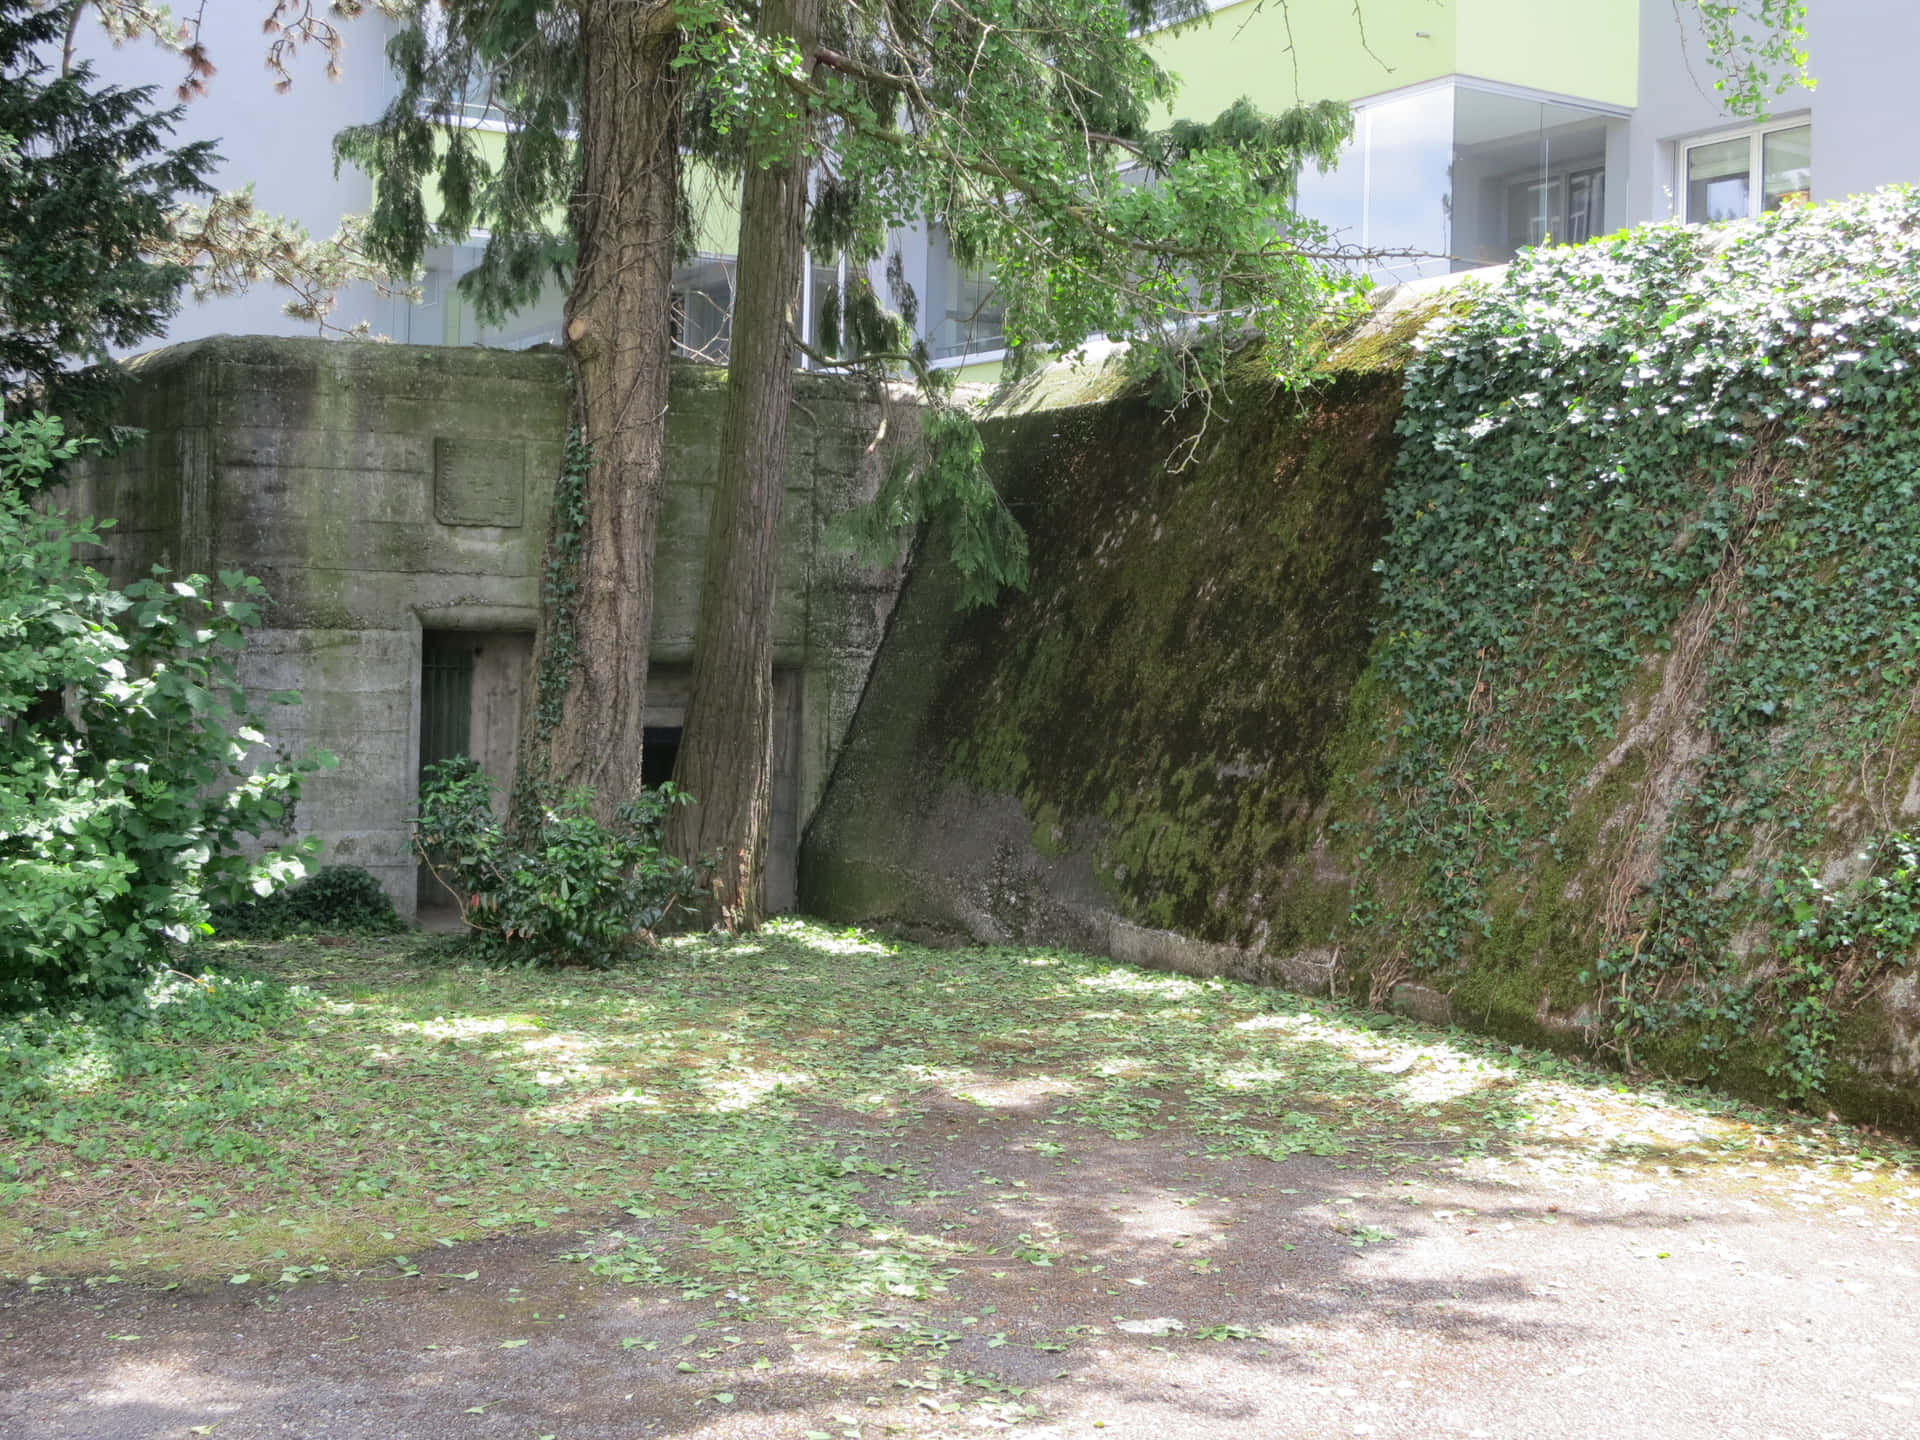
(1094, 930)
(1310, 972)
(1013, 894)
(1313, 971)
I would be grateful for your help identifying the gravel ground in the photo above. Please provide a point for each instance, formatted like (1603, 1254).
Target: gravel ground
(1191, 1297)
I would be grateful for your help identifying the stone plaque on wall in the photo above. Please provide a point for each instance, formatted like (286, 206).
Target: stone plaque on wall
(479, 482)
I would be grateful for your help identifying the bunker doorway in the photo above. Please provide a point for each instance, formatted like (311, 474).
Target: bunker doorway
(446, 697)
(660, 749)
(472, 683)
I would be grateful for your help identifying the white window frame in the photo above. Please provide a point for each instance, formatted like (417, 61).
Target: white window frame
(1755, 136)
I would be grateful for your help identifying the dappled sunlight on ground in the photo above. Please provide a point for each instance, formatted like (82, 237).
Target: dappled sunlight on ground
(857, 1187)
(582, 1108)
(409, 1100)
(1142, 982)
(570, 1050)
(165, 1395)
(467, 1027)
(825, 941)
(1438, 1075)
(1011, 1093)
(745, 1088)
(82, 1072)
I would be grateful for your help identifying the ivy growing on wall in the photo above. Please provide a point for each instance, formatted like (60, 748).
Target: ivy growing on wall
(1652, 603)
(559, 596)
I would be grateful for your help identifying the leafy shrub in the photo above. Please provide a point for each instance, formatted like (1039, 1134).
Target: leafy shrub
(563, 889)
(338, 900)
(128, 770)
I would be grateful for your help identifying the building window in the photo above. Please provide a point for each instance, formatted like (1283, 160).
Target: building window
(965, 316)
(702, 315)
(1463, 175)
(1586, 205)
(1562, 209)
(703, 294)
(1754, 173)
(447, 317)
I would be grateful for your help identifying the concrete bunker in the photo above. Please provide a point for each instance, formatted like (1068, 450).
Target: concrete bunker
(394, 500)
(472, 693)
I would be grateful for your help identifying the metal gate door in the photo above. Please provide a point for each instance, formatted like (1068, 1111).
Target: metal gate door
(446, 697)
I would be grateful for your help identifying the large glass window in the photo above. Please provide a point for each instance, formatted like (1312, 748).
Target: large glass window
(1463, 175)
(1586, 205)
(1787, 167)
(703, 309)
(1526, 171)
(1720, 181)
(1748, 174)
(965, 317)
(824, 299)
(1535, 213)
(447, 317)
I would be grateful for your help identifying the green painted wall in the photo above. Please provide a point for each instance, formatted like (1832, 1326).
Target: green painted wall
(1589, 49)
(716, 202)
(1285, 55)
(1282, 55)
(716, 205)
(981, 372)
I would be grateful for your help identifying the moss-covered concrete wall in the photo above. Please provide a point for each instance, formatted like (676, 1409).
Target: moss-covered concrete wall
(383, 491)
(1162, 751)
(1137, 755)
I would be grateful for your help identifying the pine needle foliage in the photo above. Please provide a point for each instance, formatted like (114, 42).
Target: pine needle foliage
(1023, 128)
(514, 63)
(87, 183)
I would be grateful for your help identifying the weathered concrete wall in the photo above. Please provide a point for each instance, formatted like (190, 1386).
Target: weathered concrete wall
(1164, 751)
(383, 490)
(1131, 757)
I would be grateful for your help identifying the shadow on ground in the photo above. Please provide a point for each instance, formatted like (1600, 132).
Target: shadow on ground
(878, 1193)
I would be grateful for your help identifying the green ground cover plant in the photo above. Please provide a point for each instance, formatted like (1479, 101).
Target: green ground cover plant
(727, 1117)
(334, 900)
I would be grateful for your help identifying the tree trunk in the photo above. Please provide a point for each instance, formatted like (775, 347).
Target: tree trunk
(587, 700)
(726, 747)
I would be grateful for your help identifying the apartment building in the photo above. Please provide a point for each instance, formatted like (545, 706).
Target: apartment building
(1484, 126)
(1481, 127)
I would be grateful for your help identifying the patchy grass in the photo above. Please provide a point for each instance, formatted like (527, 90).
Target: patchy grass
(734, 1108)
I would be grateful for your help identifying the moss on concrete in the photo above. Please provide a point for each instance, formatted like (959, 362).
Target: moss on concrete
(1170, 774)
(1177, 733)
(1121, 692)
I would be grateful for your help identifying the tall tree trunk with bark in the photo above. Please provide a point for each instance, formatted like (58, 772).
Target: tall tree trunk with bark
(587, 703)
(726, 749)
